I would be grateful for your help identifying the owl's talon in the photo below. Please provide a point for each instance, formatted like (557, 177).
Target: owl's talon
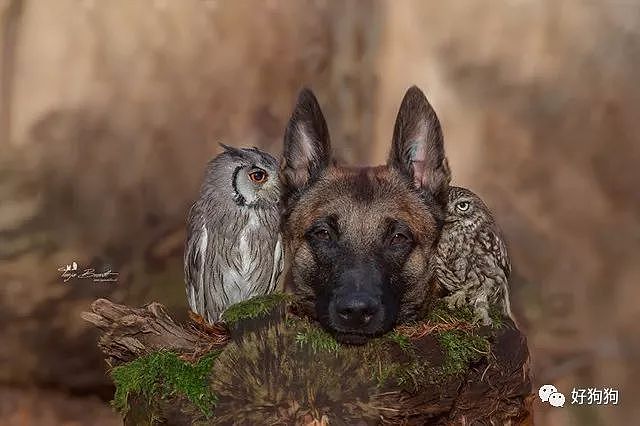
(482, 316)
(456, 300)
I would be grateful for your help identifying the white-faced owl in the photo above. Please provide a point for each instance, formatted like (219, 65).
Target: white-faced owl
(233, 249)
(471, 260)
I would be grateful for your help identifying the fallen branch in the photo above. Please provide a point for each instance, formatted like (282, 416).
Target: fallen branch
(129, 333)
(282, 369)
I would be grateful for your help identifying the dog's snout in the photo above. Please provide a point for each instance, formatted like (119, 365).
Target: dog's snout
(357, 310)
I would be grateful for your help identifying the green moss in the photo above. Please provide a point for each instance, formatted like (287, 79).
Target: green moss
(165, 374)
(413, 374)
(454, 331)
(377, 354)
(404, 342)
(299, 368)
(497, 317)
(442, 313)
(374, 356)
(385, 371)
(460, 348)
(318, 339)
(254, 308)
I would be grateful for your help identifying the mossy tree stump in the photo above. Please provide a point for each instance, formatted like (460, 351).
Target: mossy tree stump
(270, 366)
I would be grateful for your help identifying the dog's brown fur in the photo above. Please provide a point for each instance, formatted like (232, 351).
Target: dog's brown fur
(363, 207)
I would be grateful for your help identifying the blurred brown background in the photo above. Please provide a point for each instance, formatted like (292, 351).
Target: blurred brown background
(110, 110)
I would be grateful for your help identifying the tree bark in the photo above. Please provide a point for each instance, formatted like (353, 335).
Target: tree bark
(494, 389)
(129, 333)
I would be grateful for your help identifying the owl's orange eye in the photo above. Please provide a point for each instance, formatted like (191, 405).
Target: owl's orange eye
(258, 176)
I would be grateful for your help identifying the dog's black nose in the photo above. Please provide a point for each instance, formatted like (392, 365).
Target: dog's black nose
(357, 310)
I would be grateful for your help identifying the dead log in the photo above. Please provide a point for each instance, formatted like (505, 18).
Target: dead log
(129, 333)
(271, 366)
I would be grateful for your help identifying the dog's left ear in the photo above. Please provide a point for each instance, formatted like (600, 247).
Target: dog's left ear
(417, 149)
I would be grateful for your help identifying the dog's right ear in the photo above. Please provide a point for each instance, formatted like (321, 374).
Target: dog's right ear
(307, 148)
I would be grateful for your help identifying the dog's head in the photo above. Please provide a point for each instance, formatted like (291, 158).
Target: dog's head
(359, 240)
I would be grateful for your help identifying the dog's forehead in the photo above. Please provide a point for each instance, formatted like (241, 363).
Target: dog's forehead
(362, 198)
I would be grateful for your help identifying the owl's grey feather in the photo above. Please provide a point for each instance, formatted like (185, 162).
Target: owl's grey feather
(233, 250)
(471, 259)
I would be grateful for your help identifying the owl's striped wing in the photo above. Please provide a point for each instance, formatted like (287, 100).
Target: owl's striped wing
(450, 271)
(278, 265)
(497, 261)
(194, 257)
(495, 265)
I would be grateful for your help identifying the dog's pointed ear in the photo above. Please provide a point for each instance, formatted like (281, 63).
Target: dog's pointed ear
(307, 148)
(417, 149)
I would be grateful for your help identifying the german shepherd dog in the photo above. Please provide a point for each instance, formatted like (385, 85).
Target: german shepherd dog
(359, 240)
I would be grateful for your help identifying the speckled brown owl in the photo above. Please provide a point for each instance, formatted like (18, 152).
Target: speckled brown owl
(472, 261)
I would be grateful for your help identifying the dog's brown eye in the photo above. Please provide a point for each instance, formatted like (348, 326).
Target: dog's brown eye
(258, 176)
(322, 234)
(399, 238)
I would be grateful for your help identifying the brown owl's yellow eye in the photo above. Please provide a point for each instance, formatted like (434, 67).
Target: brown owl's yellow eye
(463, 206)
(258, 176)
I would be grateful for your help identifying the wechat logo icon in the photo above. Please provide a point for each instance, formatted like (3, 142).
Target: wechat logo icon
(550, 394)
